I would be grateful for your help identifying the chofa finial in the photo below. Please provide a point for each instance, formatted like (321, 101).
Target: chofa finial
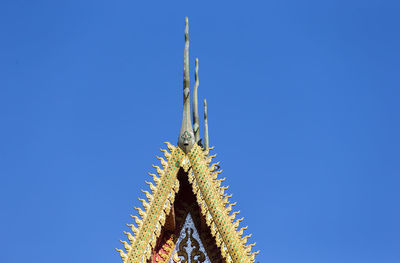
(186, 136)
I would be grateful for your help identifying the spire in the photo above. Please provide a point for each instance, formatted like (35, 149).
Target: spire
(205, 126)
(186, 135)
(149, 241)
(195, 104)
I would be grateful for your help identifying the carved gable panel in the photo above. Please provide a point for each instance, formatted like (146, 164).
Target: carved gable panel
(189, 248)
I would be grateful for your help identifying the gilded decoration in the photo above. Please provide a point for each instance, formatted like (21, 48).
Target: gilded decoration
(211, 198)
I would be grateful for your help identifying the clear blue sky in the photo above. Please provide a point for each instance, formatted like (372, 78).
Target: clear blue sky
(303, 113)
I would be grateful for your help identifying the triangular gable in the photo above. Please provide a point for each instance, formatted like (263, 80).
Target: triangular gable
(210, 196)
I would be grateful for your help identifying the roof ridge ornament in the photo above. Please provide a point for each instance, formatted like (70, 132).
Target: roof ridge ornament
(186, 138)
(147, 238)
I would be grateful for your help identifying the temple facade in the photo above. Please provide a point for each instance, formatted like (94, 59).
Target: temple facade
(187, 216)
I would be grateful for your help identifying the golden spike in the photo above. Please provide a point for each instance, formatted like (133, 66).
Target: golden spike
(159, 170)
(213, 166)
(140, 211)
(122, 254)
(148, 195)
(222, 190)
(248, 247)
(229, 208)
(247, 250)
(218, 172)
(236, 224)
(135, 230)
(163, 162)
(244, 239)
(252, 245)
(224, 187)
(225, 201)
(170, 146)
(240, 232)
(214, 175)
(130, 237)
(138, 222)
(156, 179)
(209, 158)
(144, 203)
(228, 196)
(166, 154)
(253, 255)
(219, 181)
(152, 187)
(126, 245)
(233, 215)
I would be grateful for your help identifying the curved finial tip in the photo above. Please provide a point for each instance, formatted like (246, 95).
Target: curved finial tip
(186, 29)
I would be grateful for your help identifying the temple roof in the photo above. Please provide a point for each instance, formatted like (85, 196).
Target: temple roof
(193, 161)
